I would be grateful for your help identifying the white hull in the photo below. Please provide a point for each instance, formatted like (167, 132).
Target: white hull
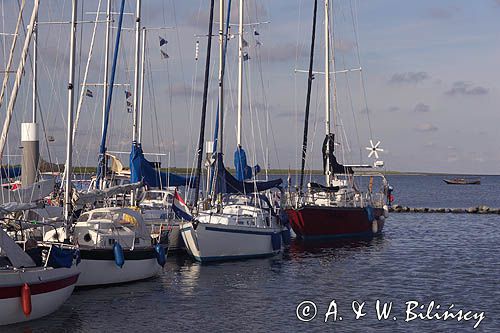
(215, 242)
(102, 272)
(42, 303)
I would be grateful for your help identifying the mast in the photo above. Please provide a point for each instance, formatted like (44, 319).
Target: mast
(221, 76)
(35, 67)
(19, 75)
(136, 69)
(143, 70)
(327, 91)
(69, 133)
(204, 104)
(106, 62)
(29, 131)
(136, 82)
(11, 54)
(102, 148)
(240, 75)
(308, 97)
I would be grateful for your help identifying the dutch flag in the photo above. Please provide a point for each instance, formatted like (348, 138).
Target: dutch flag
(180, 208)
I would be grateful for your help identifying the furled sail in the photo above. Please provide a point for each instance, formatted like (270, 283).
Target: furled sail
(243, 170)
(328, 156)
(142, 170)
(227, 183)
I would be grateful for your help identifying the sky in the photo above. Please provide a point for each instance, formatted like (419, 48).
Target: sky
(427, 88)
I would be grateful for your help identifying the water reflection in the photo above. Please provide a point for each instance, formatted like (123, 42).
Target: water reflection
(334, 247)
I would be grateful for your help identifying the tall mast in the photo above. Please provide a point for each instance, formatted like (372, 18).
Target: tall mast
(35, 67)
(101, 172)
(106, 62)
(204, 104)
(308, 97)
(136, 82)
(221, 76)
(69, 133)
(19, 76)
(136, 69)
(240, 74)
(141, 99)
(327, 88)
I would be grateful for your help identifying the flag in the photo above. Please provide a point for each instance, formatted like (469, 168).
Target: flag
(129, 104)
(127, 94)
(89, 93)
(244, 43)
(163, 41)
(257, 43)
(245, 56)
(164, 54)
(256, 33)
(180, 208)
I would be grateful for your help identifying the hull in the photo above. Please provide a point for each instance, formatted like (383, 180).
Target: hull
(217, 242)
(49, 290)
(311, 222)
(462, 181)
(175, 241)
(98, 267)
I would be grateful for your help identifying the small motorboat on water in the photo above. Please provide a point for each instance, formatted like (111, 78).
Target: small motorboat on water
(36, 282)
(463, 181)
(115, 247)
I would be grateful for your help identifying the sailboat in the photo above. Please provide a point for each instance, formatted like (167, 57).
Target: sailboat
(114, 241)
(30, 286)
(241, 223)
(339, 208)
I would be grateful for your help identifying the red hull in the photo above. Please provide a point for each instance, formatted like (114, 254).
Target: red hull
(318, 221)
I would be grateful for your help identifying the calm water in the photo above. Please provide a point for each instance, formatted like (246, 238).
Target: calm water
(449, 259)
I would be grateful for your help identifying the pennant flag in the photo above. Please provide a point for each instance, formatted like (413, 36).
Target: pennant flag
(89, 93)
(129, 110)
(257, 43)
(164, 54)
(256, 33)
(163, 41)
(127, 94)
(245, 56)
(129, 104)
(245, 43)
(180, 208)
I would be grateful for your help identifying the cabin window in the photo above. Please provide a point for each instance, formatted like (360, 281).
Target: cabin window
(111, 241)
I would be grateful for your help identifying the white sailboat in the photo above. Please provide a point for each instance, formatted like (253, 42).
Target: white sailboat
(114, 242)
(240, 224)
(115, 247)
(29, 291)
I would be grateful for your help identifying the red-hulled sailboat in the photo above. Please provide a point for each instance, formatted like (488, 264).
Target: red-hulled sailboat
(339, 209)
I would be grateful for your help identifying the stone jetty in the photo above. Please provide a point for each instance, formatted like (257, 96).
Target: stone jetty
(471, 210)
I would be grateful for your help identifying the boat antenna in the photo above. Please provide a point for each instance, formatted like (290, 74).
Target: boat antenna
(308, 97)
(204, 105)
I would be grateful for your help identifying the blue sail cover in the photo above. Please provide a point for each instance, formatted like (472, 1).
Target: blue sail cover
(142, 170)
(243, 170)
(226, 183)
(10, 172)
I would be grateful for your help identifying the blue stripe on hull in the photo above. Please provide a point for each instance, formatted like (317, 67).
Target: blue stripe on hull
(236, 231)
